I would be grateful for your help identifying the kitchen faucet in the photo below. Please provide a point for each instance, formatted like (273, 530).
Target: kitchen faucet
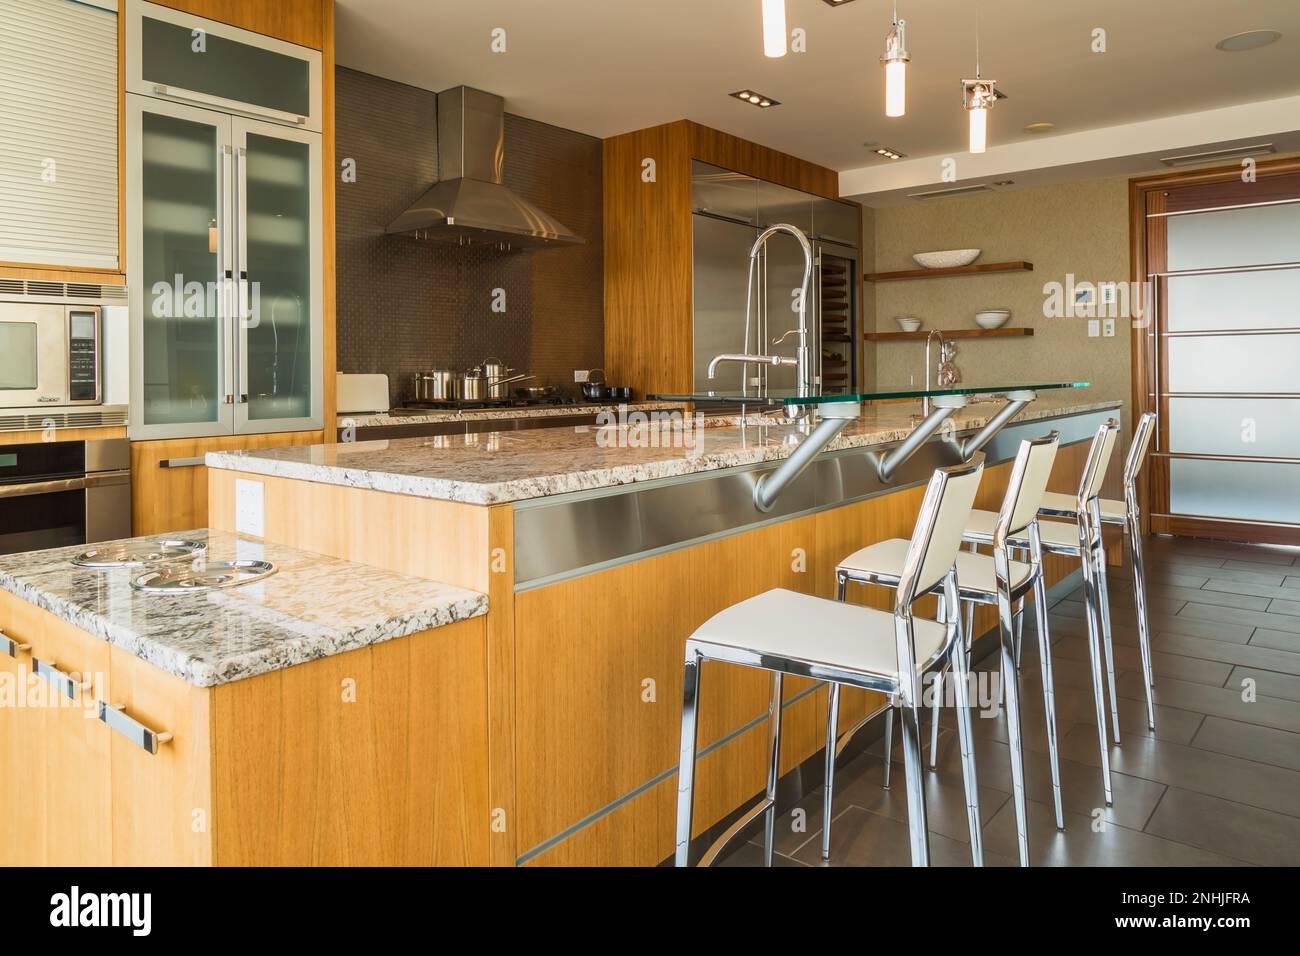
(925, 401)
(802, 360)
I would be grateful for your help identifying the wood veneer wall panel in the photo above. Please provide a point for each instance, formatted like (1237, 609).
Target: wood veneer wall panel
(298, 21)
(500, 635)
(373, 757)
(443, 540)
(647, 234)
(732, 152)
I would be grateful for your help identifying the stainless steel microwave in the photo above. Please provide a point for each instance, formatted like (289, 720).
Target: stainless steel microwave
(50, 355)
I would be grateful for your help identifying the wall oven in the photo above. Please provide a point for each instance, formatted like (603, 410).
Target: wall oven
(59, 493)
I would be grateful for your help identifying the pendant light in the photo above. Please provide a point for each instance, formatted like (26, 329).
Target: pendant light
(774, 28)
(978, 97)
(895, 61)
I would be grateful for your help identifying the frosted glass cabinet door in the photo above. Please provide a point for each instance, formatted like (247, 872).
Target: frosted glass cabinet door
(178, 184)
(279, 234)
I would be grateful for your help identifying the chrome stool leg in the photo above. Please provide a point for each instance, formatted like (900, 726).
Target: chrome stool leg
(1108, 642)
(832, 738)
(686, 758)
(1144, 619)
(917, 824)
(1094, 657)
(965, 735)
(1049, 690)
(1011, 692)
(889, 740)
(774, 767)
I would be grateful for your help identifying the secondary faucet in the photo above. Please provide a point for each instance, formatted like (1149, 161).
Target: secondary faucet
(803, 357)
(925, 401)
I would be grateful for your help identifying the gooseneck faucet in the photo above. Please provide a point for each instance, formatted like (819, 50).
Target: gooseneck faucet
(803, 356)
(925, 401)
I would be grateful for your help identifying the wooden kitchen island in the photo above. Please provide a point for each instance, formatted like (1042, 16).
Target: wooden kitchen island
(600, 551)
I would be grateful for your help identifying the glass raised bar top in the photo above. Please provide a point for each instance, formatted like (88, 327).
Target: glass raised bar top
(776, 398)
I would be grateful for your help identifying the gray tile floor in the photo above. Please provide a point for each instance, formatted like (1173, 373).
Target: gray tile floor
(1217, 784)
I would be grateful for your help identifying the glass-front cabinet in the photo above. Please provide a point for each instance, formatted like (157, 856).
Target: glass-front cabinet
(225, 269)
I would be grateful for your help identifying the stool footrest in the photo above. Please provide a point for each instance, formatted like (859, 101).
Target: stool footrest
(746, 818)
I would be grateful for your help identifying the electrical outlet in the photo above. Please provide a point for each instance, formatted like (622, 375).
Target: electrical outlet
(250, 507)
(1108, 328)
(580, 375)
(1094, 328)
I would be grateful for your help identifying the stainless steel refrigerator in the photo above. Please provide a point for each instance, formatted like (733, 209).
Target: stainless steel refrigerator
(730, 210)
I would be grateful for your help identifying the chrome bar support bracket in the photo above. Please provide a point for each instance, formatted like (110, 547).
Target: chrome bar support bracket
(1015, 404)
(945, 406)
(834, 415)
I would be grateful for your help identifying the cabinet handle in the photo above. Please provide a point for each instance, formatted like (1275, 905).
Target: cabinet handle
(232, 106)
(60, 681)
(180, 462)
(10, 647)
(130, 728)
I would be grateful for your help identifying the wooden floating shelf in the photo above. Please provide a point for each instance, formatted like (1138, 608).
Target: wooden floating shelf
(921, 334)
(974, 270)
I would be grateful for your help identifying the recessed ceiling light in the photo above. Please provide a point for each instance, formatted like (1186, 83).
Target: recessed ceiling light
(1251, 40)
(887, 152)
(838, 3)
(755, 99)
(1040, 127)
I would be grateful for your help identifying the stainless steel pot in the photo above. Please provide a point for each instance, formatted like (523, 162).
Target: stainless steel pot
(435, 385)
(472, 386)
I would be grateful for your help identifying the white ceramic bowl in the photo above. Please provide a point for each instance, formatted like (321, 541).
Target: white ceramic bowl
(992, 318)
(907, 323)
(946, 259)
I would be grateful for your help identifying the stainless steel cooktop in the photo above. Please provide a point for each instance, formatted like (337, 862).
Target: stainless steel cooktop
(201, 576)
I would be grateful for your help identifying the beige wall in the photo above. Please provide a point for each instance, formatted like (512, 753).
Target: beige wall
(1079, 228)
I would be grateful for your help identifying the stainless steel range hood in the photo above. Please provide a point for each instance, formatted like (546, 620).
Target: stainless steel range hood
(469, 204)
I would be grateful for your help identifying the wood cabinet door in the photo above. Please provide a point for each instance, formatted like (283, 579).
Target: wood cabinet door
(22, 770)
(162, 811)
(72, 744)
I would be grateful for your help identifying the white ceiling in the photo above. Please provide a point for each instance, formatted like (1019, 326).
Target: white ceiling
(608, 66)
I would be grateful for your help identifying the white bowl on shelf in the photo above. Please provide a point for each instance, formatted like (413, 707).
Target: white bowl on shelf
(946, 258)
(992, 318)
(908, 323)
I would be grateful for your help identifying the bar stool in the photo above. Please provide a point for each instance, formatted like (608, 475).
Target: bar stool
(1128, 515)
(786, 632)
(1081, 540)
(981, 579)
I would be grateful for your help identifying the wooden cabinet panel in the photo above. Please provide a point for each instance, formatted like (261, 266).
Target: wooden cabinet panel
(162, 803)
(176, 499)
(298, 21)
(74, 748)
(22, 767)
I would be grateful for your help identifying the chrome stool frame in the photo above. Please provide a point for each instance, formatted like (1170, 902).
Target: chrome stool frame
(930, 560)
(1083, 542)
(1128, 515)
(1025, 488)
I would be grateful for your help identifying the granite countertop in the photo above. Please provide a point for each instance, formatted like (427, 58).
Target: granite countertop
(430, 415)
(497, 467)
(312, 607)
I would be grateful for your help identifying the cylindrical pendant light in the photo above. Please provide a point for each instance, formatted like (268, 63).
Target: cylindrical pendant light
(979, 129)
(896, 60)
(774, 27)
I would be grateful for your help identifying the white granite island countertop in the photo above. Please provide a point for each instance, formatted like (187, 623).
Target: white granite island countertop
(312, 607)
(496, 467)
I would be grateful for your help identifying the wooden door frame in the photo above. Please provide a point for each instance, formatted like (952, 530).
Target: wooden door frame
(1144, 192)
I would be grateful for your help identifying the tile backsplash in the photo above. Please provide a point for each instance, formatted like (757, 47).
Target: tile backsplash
(405, 304)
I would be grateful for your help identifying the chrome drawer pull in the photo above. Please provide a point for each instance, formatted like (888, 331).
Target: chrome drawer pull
(60, 681)
(130, 728)
(10, 647)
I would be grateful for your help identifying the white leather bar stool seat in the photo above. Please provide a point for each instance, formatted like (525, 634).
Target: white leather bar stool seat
(820, 632)
(1056, 535)
(975, 572)
(1067, 506)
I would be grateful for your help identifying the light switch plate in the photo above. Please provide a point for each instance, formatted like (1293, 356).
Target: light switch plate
(250, 507)
(1108, 328)
(1108, 293)
(1094, 328)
